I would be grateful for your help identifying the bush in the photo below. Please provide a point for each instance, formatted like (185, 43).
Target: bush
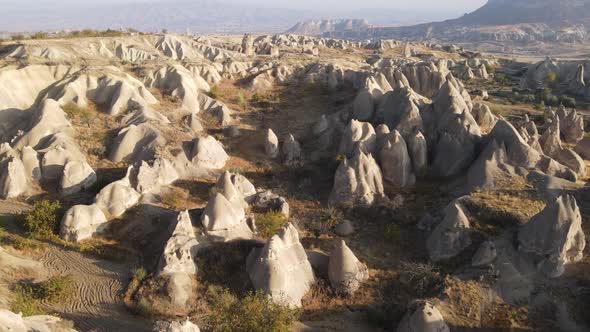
(25, 303)
(270, 223)
(551, 79)
(422, 279)
(139, 274)
(254, 313)
(39, 35)
(551, 100)
(29, 297)
(44, 219)
(213, 92)
(53, 288)
(78, 113)
(568, 101)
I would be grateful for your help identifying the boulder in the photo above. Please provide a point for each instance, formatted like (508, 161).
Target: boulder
(11, 322)
(151, 178)
(423, 317)
(358, 133)
(176, 326)
(485, 255)
(208, 153)
(117, 197)
(451, 236)
(555, 235)
(358, 180)
(281, 268)
(269, 201)
(344, 228)
(77, 176)
(396, 164)
(291, 151)
(345, 271)
(224, 220)
(81, 222)
(271, 144)
(136, 143)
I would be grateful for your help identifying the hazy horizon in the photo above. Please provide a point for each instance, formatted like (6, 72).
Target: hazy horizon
(217, 15)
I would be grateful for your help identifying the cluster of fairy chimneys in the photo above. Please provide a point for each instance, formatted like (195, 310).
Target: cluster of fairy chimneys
(282, 267)
(289, 151)
(552, 239)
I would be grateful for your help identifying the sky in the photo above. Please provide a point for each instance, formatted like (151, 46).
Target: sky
(447, 5)
(218, 15)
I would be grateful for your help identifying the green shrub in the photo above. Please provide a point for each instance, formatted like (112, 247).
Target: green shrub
(139, 274)
(551, 79)
(270, 223)
(213, 92)
(256, 312)
(568, 101)
(44, 219)
(551, 100)
(29, 297)
(25, 303)
(78, 113)
(54, 288)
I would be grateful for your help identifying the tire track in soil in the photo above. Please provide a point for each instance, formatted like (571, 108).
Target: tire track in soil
(96, 303)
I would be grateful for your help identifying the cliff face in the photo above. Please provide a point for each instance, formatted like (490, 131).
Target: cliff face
(317, 28)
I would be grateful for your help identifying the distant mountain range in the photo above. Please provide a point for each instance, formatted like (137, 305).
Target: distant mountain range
(498, 20)
(200, 16)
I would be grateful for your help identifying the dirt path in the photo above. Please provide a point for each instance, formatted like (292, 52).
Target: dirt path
(96, 303)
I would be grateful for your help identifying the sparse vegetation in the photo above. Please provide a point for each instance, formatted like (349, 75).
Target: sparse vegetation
(28, 297)
(213, 92)
(78, 114)
(256, 312)
(423, 279)
(270, 223)
(44, 219)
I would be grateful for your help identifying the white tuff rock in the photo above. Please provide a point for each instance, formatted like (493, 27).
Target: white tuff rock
(345, 271)
(281, 268)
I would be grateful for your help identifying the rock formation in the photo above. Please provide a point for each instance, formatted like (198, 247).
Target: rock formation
(281, 268)
(395, 161)
(451, 236)
(424, 317)
(81, 222)
(358, 133)
(208, 153)
(555, 235)
(271, 144)
(358, 180)
(345, 271)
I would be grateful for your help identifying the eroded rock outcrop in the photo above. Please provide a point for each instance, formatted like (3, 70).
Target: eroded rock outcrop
(208, 153)
(225, 220)
(555, 235)
(12, 322)
(281, 268)
(345, 271)
(271, 144)
(81, 222)
(395, 161)
(423, 317)
(117, 197)
(451, 236)
(358, 180)
(358, 133)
